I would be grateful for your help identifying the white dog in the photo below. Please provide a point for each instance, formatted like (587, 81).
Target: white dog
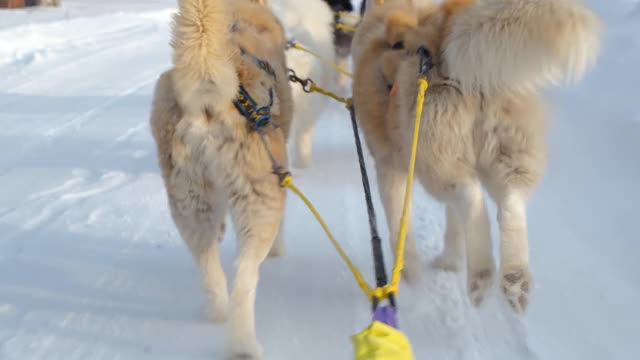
(309, 22)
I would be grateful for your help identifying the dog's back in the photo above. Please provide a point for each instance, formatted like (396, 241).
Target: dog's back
(208, 36)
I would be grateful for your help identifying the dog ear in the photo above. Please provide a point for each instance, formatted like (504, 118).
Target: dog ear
(397, 24)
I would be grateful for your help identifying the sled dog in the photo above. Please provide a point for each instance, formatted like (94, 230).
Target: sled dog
(228, 64)
(343, 14)
(308, 22)
(483, 125)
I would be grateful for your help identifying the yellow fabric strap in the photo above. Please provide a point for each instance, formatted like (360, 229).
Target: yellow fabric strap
(287, 182)
(319, 90)
(297, 46)
(344, 27)
(380, 341)
(423, 85)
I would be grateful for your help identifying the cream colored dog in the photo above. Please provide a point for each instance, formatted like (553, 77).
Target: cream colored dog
(483, 120)
(308, 22)
(212, 160)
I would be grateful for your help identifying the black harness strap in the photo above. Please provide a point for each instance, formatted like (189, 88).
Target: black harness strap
(263, 65)
(257, 116)
(376, 241)
(424, 65)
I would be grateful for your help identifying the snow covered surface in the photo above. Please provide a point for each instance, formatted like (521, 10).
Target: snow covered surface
(91, 266)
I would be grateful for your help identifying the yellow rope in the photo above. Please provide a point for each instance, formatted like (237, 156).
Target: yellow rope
(287, 182)
(393, 287)
(344, 27)
(297, 46)
(319, 90)
(383, 292)
(423, 85)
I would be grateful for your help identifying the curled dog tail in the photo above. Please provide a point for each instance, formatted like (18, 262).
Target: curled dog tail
(204, 74)
(520, 45)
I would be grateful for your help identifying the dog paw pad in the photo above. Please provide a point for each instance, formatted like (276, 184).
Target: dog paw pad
(479, 284)
(516, 286)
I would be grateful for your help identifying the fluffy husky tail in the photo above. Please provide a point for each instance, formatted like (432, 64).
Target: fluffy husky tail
(204, 74)
(521, 45)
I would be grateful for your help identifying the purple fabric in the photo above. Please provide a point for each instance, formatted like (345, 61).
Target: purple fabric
(387, 315)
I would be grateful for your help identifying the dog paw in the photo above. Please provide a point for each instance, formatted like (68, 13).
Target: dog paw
(479, 284)
(516, 284)
(447, 262)
(243, 350)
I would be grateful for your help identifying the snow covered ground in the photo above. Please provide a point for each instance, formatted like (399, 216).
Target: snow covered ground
(91, 266)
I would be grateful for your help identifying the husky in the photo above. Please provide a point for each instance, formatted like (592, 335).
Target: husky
(308, 22)
(212, 158)
(483, 125)
(343, 14)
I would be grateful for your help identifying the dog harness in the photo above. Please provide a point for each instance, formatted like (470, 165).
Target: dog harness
(257, 116)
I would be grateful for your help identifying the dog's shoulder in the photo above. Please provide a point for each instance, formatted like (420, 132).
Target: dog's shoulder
(260, 59)
(257, 21)
(258, 32)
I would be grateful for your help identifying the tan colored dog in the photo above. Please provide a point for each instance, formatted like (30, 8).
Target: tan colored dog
(483, 120)
(212, 161)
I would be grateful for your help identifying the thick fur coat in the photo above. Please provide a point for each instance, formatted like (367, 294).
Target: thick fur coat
(212, 161)
(483, 125)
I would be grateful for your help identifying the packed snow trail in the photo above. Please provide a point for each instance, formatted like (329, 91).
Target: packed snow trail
(91, 266)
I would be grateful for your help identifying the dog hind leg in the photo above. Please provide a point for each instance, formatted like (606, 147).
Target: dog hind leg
(515, 278)
(454, 242)
(200, 221)
(392, 185)
(468, 202)
(279, 249)
(513, 164)
(257, 212)
(303, 136)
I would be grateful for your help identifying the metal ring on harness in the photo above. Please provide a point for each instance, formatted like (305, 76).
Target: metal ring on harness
(307, 84)
(289, 44)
